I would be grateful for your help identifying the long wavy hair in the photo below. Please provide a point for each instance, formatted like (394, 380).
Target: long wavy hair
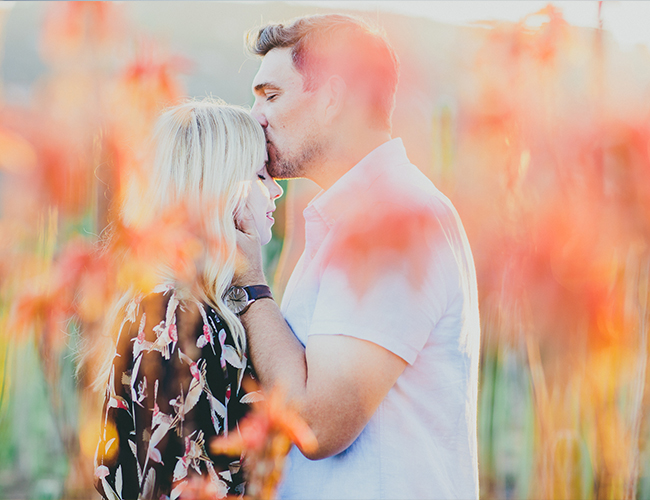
(203, 152)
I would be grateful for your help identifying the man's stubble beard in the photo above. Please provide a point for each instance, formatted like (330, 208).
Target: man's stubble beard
(286, 166)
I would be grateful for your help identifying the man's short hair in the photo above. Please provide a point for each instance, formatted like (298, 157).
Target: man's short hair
(322, 45)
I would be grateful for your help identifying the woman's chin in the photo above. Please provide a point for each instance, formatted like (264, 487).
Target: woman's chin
(265, 237)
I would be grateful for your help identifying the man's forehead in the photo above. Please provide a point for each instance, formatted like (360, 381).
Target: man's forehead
(276, 70)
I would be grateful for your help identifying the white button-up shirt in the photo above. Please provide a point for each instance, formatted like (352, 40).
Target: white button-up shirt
(387, 260)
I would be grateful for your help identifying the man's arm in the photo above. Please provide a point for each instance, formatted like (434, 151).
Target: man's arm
(336, 382)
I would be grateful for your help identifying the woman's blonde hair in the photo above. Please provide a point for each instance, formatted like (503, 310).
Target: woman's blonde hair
(203, 152)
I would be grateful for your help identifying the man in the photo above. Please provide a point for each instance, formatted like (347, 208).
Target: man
(379, 350)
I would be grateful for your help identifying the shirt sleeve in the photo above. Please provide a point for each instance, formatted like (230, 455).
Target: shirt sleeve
(393, 296)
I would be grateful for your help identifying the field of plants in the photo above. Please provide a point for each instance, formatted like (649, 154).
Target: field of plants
(538, 131)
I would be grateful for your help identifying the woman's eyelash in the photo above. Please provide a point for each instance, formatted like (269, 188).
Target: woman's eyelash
(261, 177)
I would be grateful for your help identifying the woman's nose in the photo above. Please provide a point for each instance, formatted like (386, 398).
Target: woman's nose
(276, 190)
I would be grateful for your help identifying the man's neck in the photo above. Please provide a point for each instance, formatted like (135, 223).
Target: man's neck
(345, 154)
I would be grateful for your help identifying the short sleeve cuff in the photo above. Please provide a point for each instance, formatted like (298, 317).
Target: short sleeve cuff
(387, 340)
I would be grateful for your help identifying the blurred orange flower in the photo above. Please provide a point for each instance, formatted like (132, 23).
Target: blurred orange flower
(72, 27)
(265, 437)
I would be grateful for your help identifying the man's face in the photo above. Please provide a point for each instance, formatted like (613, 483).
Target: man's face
(288, 115)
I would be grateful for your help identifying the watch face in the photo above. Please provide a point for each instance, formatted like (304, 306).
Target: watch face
(236, 299)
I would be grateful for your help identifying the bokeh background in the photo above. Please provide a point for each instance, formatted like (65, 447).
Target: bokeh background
(536, 128)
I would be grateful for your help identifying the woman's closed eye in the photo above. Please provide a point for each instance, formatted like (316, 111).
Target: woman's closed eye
(262, 174)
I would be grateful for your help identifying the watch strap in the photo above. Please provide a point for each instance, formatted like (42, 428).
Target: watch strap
(255, 292)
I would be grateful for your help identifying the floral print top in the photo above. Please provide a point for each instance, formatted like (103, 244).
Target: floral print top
(175, 383)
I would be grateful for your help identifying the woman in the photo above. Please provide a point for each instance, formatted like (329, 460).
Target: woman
(176, 379)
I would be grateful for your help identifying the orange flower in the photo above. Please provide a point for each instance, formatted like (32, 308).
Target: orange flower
(72, 27)
(150, 81)
(264, 439)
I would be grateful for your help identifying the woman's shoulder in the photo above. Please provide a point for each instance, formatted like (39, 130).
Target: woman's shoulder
(169, 315)
(168, 303)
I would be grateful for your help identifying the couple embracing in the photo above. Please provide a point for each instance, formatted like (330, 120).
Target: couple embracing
(376, 342)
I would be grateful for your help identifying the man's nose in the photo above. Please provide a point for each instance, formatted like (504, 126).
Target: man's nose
(258, 114)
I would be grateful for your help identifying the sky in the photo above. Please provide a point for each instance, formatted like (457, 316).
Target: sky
(628, 21)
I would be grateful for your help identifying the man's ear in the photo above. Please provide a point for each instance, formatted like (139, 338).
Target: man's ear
(336, 91)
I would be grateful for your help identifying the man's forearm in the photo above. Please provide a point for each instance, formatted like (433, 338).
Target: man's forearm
(276, 353)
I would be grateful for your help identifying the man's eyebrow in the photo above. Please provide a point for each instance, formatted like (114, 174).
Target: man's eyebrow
(261, 87)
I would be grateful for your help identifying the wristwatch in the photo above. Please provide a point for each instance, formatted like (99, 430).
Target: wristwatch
(239, 298)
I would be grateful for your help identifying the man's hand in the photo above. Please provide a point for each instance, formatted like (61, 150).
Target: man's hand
(248, 269)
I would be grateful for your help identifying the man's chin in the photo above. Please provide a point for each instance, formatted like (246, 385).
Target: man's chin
(282, 171)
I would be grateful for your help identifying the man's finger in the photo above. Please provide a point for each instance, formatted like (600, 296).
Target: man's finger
(244, 220)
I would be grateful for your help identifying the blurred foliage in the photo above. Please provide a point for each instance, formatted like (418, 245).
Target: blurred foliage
(538, 131)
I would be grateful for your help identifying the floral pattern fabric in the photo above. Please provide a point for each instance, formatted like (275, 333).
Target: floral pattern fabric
(175, 383)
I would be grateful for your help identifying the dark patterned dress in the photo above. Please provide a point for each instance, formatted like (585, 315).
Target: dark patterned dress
(176, 383)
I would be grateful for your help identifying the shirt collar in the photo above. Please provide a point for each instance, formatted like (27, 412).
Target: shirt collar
(330, 204)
